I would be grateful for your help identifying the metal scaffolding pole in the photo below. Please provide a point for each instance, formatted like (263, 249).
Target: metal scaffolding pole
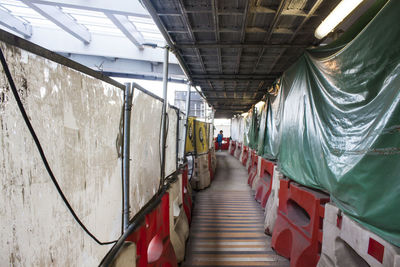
(126, 156)
(187, 113)
(164, 112)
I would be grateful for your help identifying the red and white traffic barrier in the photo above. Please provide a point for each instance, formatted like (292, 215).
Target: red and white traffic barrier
(264, 185)
(232, 147)
(201, 174)
(248, 160)
(254, 181)
(298, 228)
(152, 238)
(238, 150)
(271, 208)
(252, 170)
(347, 243)
(178, 222)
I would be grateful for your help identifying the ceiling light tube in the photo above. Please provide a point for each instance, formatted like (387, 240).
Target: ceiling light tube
(341, 11)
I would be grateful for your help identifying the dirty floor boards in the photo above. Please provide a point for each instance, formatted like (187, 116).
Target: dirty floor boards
(227, 227)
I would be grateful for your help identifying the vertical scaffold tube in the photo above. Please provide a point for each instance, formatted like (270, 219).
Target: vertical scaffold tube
(126, 155)
(187, 114)
(164, 112)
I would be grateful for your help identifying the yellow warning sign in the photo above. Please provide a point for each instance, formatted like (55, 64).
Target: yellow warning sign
(201, 130)
(190, 136)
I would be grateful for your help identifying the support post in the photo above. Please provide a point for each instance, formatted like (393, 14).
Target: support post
(164, 112)
(126, 154)
(212, 126)
(187, 115)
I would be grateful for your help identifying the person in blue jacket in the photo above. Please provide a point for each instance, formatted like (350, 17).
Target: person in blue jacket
(219, 139)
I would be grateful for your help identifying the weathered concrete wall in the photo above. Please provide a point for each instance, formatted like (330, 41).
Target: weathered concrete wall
(145, 165)
(170, 152)
(182, 135)
(76, 118)
(145, 149)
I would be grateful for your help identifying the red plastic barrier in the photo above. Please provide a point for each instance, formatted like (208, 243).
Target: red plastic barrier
(224, 145)
(252, 168)
(210, 167)
(298, 229)
(233, 146)
(187, 199)
(245, 155)
(265, 183)
(153, 246)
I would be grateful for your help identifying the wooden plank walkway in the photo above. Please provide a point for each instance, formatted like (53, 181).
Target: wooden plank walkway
(227, 227)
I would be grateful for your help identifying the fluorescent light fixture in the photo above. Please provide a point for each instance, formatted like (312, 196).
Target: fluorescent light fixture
(341, 11)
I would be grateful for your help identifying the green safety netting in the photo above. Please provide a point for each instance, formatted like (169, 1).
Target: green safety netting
(335, 124)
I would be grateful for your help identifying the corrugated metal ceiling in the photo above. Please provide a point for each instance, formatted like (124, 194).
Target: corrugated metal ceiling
(235, 49)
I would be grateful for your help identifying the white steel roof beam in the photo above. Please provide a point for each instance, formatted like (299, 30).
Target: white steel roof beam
(64, 21)
(14, 24)
(101, 45)
(127, 27)
(125, 7)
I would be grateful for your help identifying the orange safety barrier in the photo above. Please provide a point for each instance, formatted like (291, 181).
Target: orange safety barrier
(298, 229)
(153, 245)
(263, 188)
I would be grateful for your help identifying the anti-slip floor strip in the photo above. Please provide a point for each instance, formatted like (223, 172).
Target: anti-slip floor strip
(227, 227)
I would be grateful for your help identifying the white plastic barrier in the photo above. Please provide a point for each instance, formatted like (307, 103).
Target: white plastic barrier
(258, 175)
(178, 222)
(213, 160)
(271, 208)
(347, 243)
(126, 257)
(248, 162)
(238, 151)
(241, 154)
(201, 176)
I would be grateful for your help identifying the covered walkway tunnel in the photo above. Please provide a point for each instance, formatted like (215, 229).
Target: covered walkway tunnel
(100, 166)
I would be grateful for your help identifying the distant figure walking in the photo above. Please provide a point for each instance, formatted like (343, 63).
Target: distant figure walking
(219, 139)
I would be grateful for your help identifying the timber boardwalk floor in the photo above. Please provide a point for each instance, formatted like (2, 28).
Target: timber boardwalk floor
(227, 227)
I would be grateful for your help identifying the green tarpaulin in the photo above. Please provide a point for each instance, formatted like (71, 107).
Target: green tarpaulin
(254, 128)
(261, 129)
(335, 124)
(275, 109)
(246, 129)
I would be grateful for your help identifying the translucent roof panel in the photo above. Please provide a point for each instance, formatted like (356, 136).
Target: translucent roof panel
(148, 28)
(96, 22)
(26, 14)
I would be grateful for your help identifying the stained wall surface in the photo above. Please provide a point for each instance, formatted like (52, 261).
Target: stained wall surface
(171, 143)
(76, 118)
(145, 164)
